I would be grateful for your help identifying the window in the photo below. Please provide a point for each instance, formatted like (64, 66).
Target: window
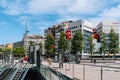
(80, 25)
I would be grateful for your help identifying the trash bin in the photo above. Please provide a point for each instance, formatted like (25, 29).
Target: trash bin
(94, 60)
(78, 60)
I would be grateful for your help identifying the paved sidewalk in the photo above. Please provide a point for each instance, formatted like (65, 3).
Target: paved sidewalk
(87, 72)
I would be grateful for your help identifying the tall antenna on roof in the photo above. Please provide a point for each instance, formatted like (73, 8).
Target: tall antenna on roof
(25, 36)
(26, 27)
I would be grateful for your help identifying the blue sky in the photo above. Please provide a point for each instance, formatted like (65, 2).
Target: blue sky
(42, 14)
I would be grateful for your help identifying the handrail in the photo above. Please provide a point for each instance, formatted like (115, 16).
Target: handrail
(58, 74)
(2, 71)
(25, 65)
(16, 64)
(5, 73)
(44, 74)
(96, 65)
(2, 65)
(25, 74)
(13, 72)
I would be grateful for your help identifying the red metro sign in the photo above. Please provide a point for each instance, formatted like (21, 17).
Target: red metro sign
(68, 34)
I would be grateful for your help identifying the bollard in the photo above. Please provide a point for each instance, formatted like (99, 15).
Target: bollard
(50, 75)
(73, 70)
(84, 72)
(101, 73)
(65, 68)
(45, 72)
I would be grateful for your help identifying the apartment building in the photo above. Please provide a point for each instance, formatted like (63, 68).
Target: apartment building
(9, 45)
(83, 25)
(16, 44)
(55, 30)
(36, 39)
(2, 46)
(106, 26)
(86, 27)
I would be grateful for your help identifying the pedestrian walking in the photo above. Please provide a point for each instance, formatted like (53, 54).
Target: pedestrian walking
(49, 61)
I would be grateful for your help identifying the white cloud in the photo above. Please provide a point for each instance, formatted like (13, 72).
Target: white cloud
(82, 9)
(34, 7)
(46, 6)
(53, 6)
(113, 12)
(107, 14)
(86, 7)
(97, 10)
(13, 7)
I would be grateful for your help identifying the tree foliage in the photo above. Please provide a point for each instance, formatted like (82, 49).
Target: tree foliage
(1, 49)
(18, 51)
(91, 45)
(62, 47)
(114, 42)
(49, 43)
(103, 44)
(62, 42)
(77, 42)
(7, 50)
(31, 43)
(40, 47)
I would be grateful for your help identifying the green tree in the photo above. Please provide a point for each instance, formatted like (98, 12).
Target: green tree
(40, 47)
(31, 43)
(49, 43)
(62, 47)
(19, 51)
(103, 44)
(62, 42)
(1, 50)
(7, 50)
(77, 42)
(91, 46)
(114, 43)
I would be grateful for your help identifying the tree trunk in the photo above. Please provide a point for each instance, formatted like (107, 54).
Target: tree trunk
(91, 58)
(104, 56)
(114, 57)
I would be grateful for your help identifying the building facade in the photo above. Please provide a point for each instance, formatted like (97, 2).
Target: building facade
(55, 30)
(74, 26)
(86, 27)
(36, 39)
(105, 27)
(16, 44)
(3, 46)
(9, 45)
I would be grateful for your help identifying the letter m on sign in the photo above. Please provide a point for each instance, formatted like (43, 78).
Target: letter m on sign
(68, 34)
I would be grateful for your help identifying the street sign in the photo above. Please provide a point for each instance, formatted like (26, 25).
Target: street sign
(68, 34)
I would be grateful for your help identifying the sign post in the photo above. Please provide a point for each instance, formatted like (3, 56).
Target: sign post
(69, 37)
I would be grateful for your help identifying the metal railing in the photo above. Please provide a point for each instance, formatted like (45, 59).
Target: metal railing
(52, 74)
(103, 71)
(89, 71)
(15, 69)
